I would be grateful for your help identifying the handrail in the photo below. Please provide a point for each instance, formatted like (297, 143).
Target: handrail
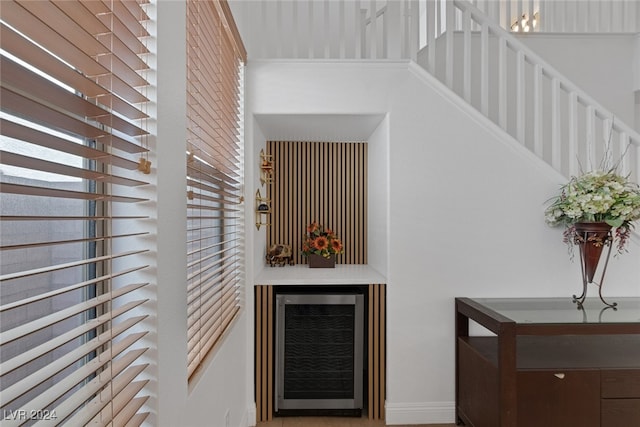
(562, 133)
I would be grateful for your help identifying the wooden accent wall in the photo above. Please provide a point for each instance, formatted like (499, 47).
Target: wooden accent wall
(264, 312)
(377, 351)
(265, 352)
(324, 182)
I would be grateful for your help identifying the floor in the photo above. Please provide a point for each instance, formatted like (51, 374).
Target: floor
(333, 422)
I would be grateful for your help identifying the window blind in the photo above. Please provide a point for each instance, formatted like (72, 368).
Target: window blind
(73, 169)
(215, 58)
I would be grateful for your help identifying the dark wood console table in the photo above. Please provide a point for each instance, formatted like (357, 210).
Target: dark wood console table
(549, 363)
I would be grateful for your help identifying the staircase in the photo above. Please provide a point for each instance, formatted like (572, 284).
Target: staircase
(523, 94)
(469, 50)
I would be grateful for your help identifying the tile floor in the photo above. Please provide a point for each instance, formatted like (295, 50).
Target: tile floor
(332, 422)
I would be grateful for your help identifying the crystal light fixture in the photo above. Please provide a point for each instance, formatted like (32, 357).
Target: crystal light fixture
(524, 24)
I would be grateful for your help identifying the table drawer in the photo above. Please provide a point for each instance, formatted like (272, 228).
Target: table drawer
(559, 398)
(620, 412)
(620, 383)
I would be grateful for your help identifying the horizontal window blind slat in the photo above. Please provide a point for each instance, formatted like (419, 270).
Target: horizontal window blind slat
(118, 396)
(215, 181)
(131, 14)
(34, 353)
(200, 225)
(216, 334)
(229, 241)
(128, 409)
(84, 37)
(83, 416)
(131, 37)
(60, 388)
(211, 327)
(26, 108)
(22, 107)
(226, 259)
(78, 13)
(66, 27)
(197, 169)
(138, 419)
(209, 311)
(208, 320)
(30, 190)
(123, 107)
(206, 268)
(36, 378)
(69, 241)
(221, 159)
(213, 197)
(126, 77)
(18, 46)
(199, 291)
(21, 79)
(124, 51)
(36, 30)
(122, 88)
(45, 321)
(56, 267)
(45, 295)
(68, 218)
(88, 411)
(34, 136)
(226, 209)
(206, 188)
(202, 230)
(207, 295)
(203, 253)
(18, 160)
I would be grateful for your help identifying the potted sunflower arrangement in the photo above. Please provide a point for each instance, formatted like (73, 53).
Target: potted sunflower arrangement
(321, 246)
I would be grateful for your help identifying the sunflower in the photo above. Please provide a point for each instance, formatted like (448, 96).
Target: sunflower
(321, 243)
(312, 228)
(336, 245)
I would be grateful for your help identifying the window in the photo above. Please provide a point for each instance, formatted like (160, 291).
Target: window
(215, 59)
(72, 165)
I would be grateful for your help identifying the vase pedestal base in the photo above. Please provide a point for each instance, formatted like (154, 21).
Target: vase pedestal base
(592, 238)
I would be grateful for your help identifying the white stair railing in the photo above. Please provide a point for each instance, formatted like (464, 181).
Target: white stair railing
(515, 88)
(469, 51)
(566, 16)
(333, 29)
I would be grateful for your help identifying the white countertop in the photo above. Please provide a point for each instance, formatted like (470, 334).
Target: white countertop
(342, 274)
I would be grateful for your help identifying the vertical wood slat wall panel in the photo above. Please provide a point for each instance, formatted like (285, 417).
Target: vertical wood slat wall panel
(377, 351)
(264, 352)
(324, 182)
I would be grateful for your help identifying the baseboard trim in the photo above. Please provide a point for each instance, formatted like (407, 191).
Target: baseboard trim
(250, 416)
(420, 413)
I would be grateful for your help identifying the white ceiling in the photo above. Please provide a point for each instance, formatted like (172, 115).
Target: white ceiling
(318, 127)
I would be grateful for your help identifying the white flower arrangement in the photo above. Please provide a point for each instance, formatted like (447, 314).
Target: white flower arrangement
(597, 196)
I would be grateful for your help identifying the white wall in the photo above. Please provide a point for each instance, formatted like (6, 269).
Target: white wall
(465, 214)
(378, 198)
